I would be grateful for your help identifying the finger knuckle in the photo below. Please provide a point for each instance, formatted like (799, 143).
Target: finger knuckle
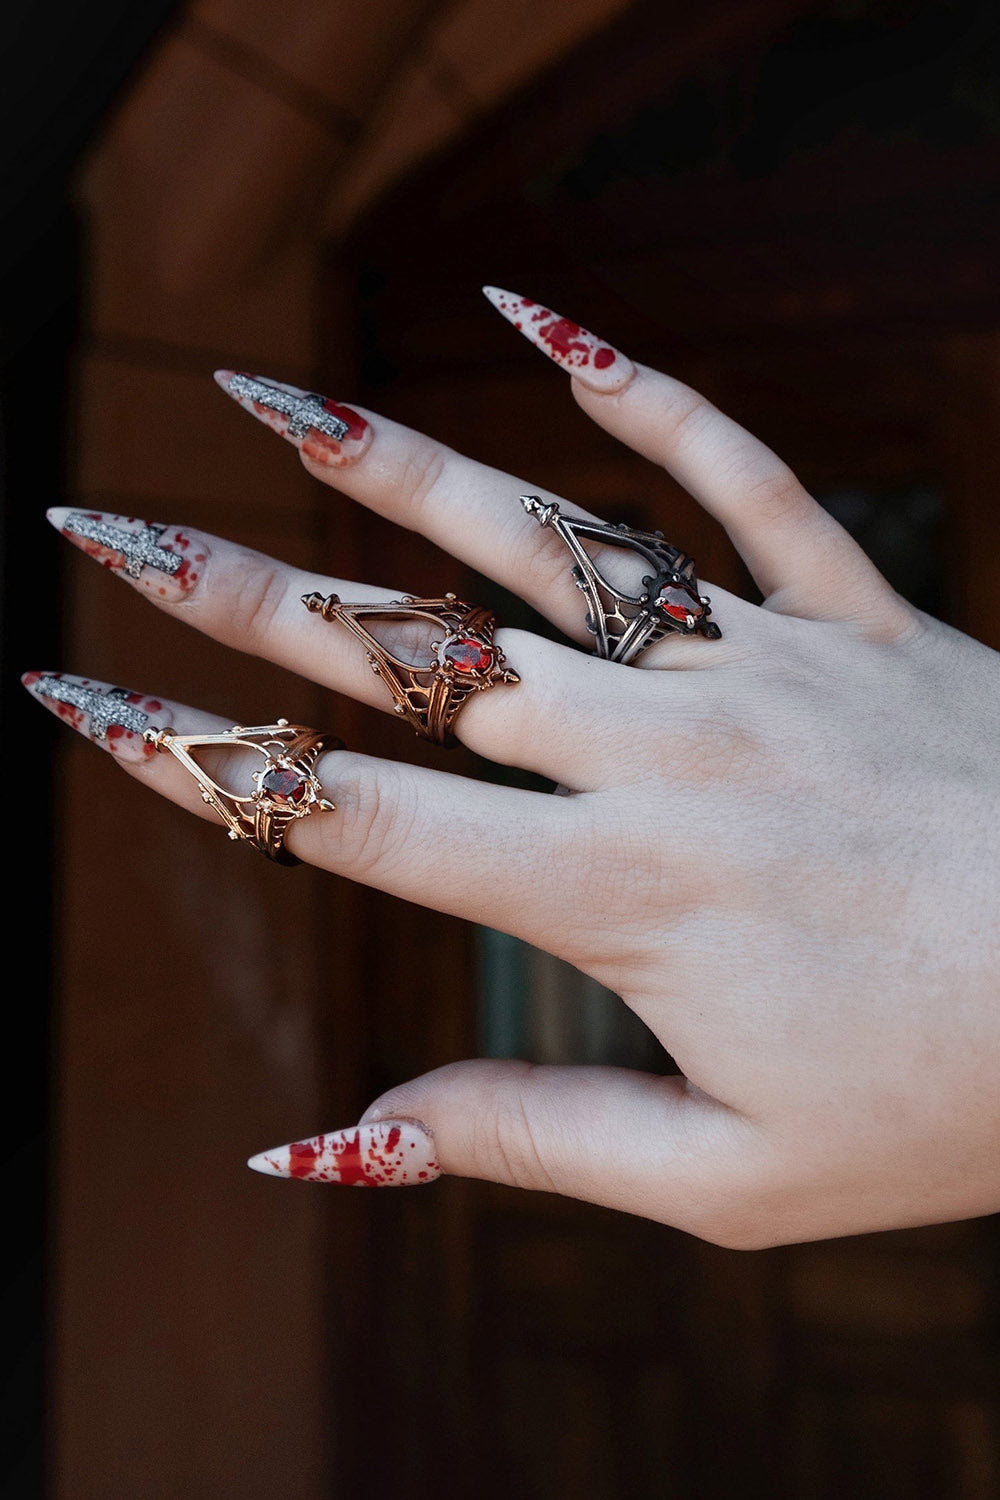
(506, 1139)
(421, 475)
(544, 566)
(776, 496)
(375, 822)
(686, 420)
(257, 601)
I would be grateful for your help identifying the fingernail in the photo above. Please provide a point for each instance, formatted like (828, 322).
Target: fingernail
(588, 359)
(325, 431)
(165, 561)
(112, 717)
(387, 1153)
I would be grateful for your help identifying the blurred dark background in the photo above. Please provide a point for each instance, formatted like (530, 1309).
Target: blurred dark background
(791, 204)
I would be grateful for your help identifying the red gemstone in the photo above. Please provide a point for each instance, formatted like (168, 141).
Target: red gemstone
(283, 784)
(468, 655)
(679, 602)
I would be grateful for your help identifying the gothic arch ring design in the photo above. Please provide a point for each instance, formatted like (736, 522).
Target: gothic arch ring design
(624, 624)
(428, 694)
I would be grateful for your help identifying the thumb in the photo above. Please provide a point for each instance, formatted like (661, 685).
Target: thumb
(637, 1142)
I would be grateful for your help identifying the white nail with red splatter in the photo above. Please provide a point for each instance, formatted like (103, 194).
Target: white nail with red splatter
(323, 430)
(592, 361)
(384, 1153)
(164, 561)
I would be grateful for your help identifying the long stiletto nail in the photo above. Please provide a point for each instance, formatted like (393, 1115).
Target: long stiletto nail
(588, 359)
(325, 431)
(112, 717)
(386, 1153)
(166, 561)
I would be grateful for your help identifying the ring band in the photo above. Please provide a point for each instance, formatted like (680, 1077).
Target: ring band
(285, 788)
(623, 624)
(428, 695)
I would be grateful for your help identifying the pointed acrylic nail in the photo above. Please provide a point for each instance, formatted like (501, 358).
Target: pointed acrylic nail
(588, 359)
(112, 717)
(325, 431)
(165, 561)
(385, 1153)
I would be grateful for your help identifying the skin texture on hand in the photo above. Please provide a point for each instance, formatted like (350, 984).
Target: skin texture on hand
(781, 848)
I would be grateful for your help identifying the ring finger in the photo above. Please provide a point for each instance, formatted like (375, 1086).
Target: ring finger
(461, 846)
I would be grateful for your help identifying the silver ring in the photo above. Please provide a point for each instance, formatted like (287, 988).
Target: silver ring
(623, 624)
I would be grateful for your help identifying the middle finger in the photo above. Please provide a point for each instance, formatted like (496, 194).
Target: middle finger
(560, 721)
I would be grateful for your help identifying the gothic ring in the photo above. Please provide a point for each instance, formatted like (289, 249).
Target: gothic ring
(625, 624)
(428, 694)
(285, 787)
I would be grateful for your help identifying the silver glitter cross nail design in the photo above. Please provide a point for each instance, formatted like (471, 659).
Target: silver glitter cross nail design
(303, 411)
(139, 548)
(104, 709)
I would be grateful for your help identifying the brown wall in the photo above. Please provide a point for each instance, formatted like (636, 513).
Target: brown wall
(217, 1333)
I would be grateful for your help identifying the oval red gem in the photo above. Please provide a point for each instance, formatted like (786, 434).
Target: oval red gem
(283, 784)
(679, 602)
(468, 655)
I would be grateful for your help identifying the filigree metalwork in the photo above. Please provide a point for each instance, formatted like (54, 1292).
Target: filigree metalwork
(285, 788)
(428, 695)
(624, 624)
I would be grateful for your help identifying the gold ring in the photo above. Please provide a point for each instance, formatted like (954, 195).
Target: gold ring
(428, 694)
(285, 788)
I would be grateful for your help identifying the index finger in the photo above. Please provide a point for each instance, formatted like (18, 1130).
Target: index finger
(469, 509)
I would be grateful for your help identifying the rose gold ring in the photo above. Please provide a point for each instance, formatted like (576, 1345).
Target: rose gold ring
(285, 788)
(428, 694)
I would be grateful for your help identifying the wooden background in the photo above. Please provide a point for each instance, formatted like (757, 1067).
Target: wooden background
(794, 207)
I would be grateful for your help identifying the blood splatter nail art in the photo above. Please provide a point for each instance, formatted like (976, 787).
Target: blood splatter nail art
(164, 561)
(588, 359)
(112, 717)
(324, 430)
(386, 1153)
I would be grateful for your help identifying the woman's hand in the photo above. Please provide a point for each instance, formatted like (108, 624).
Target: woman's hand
(781, 848)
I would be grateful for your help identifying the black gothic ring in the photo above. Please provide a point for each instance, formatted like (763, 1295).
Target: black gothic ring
(623, 624)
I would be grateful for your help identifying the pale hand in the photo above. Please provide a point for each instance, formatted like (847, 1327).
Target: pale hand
(781, 847)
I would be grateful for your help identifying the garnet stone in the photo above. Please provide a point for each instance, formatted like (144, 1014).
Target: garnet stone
(467, 654)
(283, 784)
(678, 601)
